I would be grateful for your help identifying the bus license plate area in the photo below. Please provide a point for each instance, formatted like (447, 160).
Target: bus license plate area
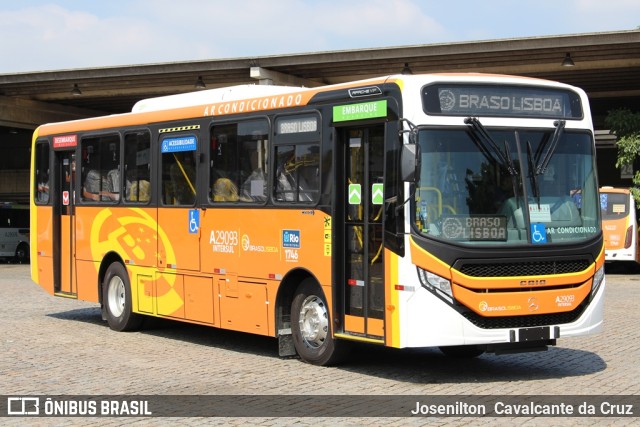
(534, 334)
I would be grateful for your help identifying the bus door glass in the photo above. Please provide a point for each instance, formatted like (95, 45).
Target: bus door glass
(179, 217)
(64, 232)
(363, 230)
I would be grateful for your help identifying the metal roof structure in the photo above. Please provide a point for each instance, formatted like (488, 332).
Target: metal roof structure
(607, 67)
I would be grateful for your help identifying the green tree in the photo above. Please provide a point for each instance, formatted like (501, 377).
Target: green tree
(626, 125)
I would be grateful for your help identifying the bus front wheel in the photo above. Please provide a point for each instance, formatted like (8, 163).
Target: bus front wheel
(311, 327)
(116, 299)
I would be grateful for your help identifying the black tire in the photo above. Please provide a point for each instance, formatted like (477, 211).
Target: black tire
(116, 298)
(311, 327)
(462, 351)
(22, 253)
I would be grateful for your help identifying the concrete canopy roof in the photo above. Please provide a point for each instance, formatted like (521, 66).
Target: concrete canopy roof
(607, 67)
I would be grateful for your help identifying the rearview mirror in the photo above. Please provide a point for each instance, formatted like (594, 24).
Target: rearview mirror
(409, 162)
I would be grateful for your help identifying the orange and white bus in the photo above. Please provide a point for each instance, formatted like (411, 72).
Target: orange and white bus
(619, 225)
(448, 210)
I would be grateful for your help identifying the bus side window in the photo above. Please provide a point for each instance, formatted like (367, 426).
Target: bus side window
(137, 167)
(238, 162)
(101, 168)
(297, 173)
(42, 173)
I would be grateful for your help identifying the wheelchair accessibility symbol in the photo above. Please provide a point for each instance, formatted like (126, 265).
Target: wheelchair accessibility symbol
(538, 233)
(194, 221)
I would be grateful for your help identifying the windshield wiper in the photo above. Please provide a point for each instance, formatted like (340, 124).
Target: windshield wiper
(533, 175)
(503, 159)
(484, 140)
(511, 168)
(553, 144)
(539, 167)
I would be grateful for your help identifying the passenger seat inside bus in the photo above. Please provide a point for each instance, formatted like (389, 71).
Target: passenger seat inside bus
(224, 191)
(139, 191)
(91, 187)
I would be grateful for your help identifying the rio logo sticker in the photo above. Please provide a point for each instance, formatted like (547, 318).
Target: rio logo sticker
(291, 239)
(291, 244)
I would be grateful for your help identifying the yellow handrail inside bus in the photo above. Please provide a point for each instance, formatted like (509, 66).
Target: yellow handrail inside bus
(184, 173)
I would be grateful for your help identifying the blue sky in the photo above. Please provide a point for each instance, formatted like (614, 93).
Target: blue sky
(41, 35)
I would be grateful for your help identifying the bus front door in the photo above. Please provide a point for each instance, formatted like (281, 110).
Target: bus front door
(363, 246)
(64, 228)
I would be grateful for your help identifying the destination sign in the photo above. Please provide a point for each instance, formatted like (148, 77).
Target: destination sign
(506, 101)
(297, 125)
(476, 227)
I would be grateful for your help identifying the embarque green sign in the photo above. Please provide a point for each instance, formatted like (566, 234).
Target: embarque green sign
(360, 111)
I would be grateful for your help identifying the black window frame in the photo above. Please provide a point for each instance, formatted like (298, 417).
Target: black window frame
(40, 183)
(296, 140)
(234, 179)
(180, 171)
(129, 183)
(84, 166)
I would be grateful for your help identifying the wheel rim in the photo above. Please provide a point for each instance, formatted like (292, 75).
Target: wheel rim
(314, 323)
(116, 296)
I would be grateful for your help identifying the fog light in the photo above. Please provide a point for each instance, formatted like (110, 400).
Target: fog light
(598, 278)
(435, 282)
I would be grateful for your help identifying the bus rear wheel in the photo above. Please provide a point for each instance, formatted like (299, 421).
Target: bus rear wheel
(116, 298)
(311, 327)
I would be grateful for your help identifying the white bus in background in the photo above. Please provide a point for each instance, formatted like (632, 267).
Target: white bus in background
(14, 233)
(619, 225)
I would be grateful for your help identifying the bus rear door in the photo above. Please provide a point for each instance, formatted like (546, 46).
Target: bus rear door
(64, 224)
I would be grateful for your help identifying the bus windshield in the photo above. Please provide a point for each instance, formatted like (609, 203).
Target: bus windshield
(506, 185)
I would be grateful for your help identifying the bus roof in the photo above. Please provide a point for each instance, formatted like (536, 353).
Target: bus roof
(249, 98)
(231, 93)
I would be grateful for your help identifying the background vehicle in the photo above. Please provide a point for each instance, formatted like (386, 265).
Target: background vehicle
(619, 225)
(458, 211)
(14, 232)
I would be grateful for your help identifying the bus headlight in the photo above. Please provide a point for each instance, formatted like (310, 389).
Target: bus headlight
(435, 282)
(598, 278)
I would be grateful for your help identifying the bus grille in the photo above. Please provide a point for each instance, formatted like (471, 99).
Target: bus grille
(534, 268)
(524, 321)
